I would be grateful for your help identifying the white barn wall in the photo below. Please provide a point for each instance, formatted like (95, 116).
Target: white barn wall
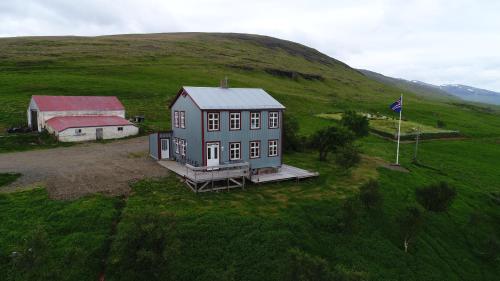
(89, 133)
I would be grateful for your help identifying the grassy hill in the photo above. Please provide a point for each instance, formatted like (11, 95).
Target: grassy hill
(249, 235)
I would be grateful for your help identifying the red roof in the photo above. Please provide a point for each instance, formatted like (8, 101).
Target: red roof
(75, 103)
(64, 122)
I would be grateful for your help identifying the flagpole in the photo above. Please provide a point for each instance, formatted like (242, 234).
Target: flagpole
(399, 131)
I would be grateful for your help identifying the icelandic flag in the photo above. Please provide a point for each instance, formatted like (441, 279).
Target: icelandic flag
(396, 106)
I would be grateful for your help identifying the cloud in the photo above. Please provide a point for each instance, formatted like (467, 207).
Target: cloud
(434, 41)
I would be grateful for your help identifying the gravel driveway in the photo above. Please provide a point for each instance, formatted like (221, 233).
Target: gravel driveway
(72, 172)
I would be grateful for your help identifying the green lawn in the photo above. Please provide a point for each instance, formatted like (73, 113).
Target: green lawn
(247, 235)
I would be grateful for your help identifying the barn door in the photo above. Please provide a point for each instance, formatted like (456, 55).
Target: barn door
(98, 134)
(34, 120)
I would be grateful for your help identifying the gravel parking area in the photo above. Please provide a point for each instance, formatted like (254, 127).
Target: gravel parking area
(72, 172)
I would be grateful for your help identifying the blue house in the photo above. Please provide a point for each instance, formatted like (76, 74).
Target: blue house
(229, 132)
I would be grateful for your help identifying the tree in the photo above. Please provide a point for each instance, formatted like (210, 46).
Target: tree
(330, 139)
(291, 139)
(409, 224)
(369, 194)
(355, 122)
(347, 156)
(436, 197)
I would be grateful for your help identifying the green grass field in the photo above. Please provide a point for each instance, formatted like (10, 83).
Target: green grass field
(247, 235)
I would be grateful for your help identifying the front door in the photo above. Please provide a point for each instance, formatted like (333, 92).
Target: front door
(165, 148)
(213, 152)
(98, 134)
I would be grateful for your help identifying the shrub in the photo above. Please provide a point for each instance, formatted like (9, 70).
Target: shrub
(355, 122)
(291, 139)
(348, 215)
(330, 139)
(369, 194)
(146, 249)
(409, 225)
(348, 156)
(440, 124)
(436, 197)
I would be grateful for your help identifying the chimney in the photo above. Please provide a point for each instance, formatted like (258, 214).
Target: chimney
(224, 83)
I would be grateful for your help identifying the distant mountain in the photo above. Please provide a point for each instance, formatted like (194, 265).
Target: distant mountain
(443, 92)
(472, 94)
(417, 87)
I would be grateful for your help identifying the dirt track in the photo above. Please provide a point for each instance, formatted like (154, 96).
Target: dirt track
(75, 171)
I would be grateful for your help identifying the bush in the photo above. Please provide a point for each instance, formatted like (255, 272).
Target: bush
(440, 124)
(291, 139)
(436, 197)
(145, 250)
(369, 194)
(355, 122)
(348, 156)
(409, 225)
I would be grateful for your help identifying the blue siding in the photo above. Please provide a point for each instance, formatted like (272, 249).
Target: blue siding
(245, 135)
(192, 132)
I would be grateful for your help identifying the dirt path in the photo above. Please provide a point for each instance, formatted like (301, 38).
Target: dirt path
(75, 171)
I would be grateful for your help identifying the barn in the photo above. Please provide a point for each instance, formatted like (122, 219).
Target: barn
(80, 118)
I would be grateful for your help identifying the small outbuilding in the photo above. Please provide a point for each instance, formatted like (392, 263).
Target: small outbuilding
(80, 118)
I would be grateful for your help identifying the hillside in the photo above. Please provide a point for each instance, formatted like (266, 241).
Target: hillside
(248, 234)
(472, 94)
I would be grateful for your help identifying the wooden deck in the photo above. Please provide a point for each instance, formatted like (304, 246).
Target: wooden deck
(201, 179)
(286, 172)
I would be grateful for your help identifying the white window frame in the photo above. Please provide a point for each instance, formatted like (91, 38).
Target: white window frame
(274, 119)
(236, 117)
(213, 121)
(255, 116)
(272, 148)
(176, 119)
(78, 131)
(176, 142)
(120, 129)
(182, 115)
(254, 149)
(235, 147)
(183, 147)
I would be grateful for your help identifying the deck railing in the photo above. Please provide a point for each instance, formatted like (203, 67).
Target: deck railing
(219, 172)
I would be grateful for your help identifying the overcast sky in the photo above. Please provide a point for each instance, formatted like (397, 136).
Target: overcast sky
(440, 42)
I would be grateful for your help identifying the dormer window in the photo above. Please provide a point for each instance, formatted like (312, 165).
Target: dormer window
(254, 120)
(213, 121)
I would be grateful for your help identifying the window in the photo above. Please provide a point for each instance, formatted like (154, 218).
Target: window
(254, 149)
(234, 121)
(176, 119)
(234, 151)
(213, 121)
(273, 119)
(183, 119)
(183, 147)
(120, 129)
(273, 148)
(254, 120)
(176, 142)
(78, 131)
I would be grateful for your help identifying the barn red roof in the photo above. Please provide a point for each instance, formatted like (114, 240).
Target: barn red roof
(75, 103)
(64, 122)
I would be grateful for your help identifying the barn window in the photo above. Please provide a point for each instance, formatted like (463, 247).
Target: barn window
(254, 149)
(183, 119)
(120, 129)
(234, 151)
(255, 120)
(213, 121)
(78, 131)
(273, 119)
(273, 148)
(176, 119)
(234, 121)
